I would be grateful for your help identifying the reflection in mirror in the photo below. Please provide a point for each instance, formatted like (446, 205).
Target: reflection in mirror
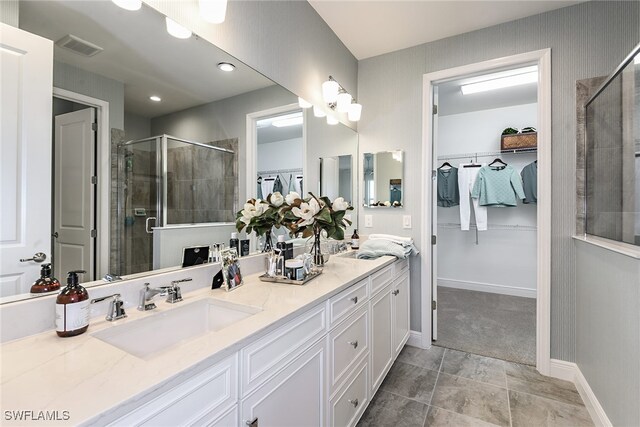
(159, 104)
(383, 174)
(336, 177)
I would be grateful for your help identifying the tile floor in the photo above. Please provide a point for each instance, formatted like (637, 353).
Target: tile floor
(444, 387)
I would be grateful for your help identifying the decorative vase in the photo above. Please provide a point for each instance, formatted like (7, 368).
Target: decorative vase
(268, 244)
(316, 249)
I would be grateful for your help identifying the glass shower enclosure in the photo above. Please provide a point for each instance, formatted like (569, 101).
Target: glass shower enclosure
(168, 181)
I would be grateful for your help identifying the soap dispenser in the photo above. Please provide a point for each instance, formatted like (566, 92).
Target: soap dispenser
(72, 308)
(45, 283)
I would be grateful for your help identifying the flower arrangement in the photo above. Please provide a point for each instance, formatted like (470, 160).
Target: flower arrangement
(312, 215)
(261, 215)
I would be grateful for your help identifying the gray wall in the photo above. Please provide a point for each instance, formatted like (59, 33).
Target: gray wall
(588, 39)
(223, 119)
(286, 41)
(136, 127)
(608, 329)
(9, 12)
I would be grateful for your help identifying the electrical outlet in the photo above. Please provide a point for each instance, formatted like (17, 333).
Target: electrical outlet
(368, 221)
(406, 221)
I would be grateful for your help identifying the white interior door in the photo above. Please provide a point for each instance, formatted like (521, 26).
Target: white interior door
(434, 221)
(26, 74)
(74, 193)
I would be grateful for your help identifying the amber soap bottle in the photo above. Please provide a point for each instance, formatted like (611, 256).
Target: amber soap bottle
(72, 308)
(45, 283)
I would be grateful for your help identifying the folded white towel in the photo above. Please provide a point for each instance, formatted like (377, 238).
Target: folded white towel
(404, 241)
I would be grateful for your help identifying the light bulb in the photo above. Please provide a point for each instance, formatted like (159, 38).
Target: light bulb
(129, 4)
(177, 30)
(332, 120)
(303, 104)
(355, 111)
(155, 98)
(330, 91)
(344, 100)
(213, 11)
(226, 66)
(318, 112)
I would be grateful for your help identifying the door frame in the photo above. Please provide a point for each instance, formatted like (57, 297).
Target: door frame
(103, 172)
(543, 292)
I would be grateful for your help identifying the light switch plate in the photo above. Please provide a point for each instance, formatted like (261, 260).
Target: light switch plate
(406, 221)
(368, 220)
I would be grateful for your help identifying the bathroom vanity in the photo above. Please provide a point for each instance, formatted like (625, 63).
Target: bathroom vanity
(263, 354)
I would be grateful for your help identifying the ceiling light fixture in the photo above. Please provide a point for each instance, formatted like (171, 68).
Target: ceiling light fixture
(332, 120)
(287, 120)
(226, 66)
(509, 79)
(338, 99)
(213, 11)
(128, 4)
(303, 103)
(177, 30)
(155, 98)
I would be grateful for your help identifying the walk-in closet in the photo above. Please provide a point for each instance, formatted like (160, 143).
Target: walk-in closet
(485, 215)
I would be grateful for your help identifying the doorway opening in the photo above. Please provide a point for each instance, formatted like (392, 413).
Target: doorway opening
(488, 252)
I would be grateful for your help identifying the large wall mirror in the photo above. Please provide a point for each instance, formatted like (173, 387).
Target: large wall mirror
(382, 179)
(166, 166)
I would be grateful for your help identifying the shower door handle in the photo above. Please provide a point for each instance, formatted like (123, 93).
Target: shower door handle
(146, 224)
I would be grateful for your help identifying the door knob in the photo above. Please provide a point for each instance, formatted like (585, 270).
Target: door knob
(55, 235)
(37, 257)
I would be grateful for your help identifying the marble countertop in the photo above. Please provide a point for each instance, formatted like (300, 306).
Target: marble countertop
(96, 382)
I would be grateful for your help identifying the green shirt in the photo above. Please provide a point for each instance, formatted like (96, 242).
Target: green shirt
(530, 182)
(497, 186)
(448, 193)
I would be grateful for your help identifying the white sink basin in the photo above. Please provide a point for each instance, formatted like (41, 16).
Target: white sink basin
(147, 337)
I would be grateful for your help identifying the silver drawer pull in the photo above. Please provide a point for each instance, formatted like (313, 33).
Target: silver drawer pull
(252, 423)
(353, 343)
(354, 402)
(396, 292)
(354, 299)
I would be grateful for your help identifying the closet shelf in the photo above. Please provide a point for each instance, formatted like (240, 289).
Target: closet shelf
(487, 154)
(493, 226)
(276, 171)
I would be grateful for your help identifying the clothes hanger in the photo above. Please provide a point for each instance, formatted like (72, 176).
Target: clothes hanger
(445, 164)
(497, 160)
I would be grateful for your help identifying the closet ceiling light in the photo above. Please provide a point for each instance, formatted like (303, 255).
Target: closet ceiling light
(128, 4)
(501, 80)
(318, 112)
(332, 120)
(155, 98)
(213, 11)
(226, 66)
(177, 30)
(343, 102)
(330, 90)
(303, 104)
(287, 120)
(355, 111)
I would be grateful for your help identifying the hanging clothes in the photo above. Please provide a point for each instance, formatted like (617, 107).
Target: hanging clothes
(448, 191)
(292, 186)
(529, 177)
(466, 180)
(498, 186)
(277, 185)
(267, 186)
(259, 192)
(297, 185)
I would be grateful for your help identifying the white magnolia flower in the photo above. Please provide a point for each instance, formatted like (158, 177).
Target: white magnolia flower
(339, 204)
(291, 197)
(313, 203)
(387, 203)
(306, 211)
(276, 199)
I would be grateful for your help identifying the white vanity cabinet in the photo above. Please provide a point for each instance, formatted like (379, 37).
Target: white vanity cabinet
(400, 322)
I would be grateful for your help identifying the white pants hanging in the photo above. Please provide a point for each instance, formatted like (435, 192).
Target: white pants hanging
(466, 179)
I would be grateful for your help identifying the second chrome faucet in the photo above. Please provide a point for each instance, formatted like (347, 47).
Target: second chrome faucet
(172, 292)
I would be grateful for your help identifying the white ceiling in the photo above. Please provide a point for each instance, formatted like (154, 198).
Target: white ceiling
(370, 28)
(139, 52)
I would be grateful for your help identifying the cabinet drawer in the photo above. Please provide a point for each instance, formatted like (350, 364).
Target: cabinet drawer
(226, 419)
(348, 343)
(348, 404)
(400, 266)
(263, 358)
(380, 279)
(209, 391)
(348, 301)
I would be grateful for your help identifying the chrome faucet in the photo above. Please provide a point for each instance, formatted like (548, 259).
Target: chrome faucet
(173, 293)
(116, 309)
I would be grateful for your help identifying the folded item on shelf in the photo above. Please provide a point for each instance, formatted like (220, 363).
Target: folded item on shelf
(375, 248)
(404, 241)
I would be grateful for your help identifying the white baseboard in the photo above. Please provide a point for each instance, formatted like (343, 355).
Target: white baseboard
(415, 339)
(488, 287)
(571, 372)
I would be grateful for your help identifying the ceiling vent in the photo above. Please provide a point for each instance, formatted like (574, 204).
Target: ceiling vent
(79, 46)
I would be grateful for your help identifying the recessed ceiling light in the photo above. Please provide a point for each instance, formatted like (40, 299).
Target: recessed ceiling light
(226, 66)
(129, 4)
(177, 30)
(155, 98)
(287, 120)
(501, 80)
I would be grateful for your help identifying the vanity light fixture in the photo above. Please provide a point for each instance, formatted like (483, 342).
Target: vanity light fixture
(155, 98)
(213, 11)
(226, 66)
(343, 102)
(177, 30)
(501, 80)
(318, 112)
(330, 90)
(332, 120)
(338, 99)
(303, 103)
(128, 4)
(354, 112)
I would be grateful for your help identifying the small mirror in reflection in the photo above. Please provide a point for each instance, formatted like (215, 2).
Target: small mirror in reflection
(383, 174)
